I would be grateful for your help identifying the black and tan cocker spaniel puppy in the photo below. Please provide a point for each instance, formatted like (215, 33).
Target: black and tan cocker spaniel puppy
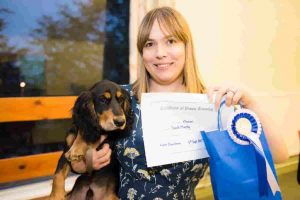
(105, 109)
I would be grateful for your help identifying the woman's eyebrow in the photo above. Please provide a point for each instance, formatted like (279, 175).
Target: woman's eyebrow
(150, 40)
(170, 36)
(165, 37)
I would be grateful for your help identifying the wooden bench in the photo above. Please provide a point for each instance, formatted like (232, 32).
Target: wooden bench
(32, 109)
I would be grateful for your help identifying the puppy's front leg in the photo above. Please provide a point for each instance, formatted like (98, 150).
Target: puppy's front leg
(76, 154)
(58, 186)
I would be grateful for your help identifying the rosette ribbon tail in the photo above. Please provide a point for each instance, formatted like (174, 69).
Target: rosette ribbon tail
(261, 172)
(264, 169)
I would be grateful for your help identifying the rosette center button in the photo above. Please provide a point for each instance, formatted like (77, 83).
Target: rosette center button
(243, 126)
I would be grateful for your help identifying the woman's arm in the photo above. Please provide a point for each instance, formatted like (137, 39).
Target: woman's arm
(273, 133)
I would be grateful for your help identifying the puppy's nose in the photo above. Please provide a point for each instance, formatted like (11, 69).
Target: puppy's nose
(119, 122)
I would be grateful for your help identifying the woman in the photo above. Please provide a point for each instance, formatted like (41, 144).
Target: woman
(166, 47)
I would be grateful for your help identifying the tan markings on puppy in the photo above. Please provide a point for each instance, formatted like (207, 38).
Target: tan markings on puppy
(92, 106)
(58, 185)
(106, 120)
(118, 94)
(107, 95)
(70, 139)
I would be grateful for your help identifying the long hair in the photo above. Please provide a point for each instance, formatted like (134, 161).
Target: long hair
(176, 25)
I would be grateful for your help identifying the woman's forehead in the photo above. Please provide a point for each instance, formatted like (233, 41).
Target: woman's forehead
(159, 28)
(162, 28)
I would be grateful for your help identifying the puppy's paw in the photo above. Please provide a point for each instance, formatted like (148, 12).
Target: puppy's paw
(77, 160)
(75, 157)
(77, 151)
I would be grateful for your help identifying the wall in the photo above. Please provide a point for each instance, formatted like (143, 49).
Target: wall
(256, 45)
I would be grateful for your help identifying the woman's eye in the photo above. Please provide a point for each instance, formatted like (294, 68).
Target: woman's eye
(171, 41)
(149, 44)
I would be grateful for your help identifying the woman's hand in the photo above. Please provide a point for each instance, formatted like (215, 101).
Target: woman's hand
(233, 96)
(101, 158)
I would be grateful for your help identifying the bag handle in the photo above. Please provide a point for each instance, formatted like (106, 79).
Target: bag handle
(220, 125)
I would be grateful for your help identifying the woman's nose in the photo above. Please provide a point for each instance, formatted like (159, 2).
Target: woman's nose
(161, 51)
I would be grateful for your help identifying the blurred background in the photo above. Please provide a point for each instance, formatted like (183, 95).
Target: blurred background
(57, 48)
(51, 50)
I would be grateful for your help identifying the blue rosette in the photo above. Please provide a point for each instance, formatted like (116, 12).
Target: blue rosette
(242, 123)
(244, 128)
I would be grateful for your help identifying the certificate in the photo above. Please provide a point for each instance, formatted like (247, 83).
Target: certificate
(172, 123)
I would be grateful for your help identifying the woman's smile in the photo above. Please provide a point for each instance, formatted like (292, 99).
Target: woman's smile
(163, 65)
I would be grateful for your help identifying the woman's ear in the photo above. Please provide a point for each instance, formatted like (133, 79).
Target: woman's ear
(85, 117)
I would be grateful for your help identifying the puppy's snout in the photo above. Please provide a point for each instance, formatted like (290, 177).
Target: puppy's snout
(119, 122)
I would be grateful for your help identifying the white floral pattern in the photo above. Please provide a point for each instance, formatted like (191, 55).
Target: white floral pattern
(197, 167)
(144, 174)
(131, 193)
(131, 153)
(165, 172)
(137, 181)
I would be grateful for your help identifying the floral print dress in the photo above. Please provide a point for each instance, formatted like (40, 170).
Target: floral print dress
(137, 181)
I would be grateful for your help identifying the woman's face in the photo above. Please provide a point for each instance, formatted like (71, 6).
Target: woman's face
(164, 56)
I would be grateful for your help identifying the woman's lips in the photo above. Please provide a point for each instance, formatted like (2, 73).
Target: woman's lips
(163, 65)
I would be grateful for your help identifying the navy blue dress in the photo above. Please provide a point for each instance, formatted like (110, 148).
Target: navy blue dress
(137, 181)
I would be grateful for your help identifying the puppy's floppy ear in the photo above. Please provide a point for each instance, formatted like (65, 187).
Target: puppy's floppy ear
(127, 109)
(85, 117)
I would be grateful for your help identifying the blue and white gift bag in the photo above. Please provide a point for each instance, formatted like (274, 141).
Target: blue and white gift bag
(241, 165)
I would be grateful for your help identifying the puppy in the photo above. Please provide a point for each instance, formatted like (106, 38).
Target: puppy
(105, 109)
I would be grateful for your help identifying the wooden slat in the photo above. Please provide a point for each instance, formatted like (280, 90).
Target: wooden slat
(31, 109)
(27, 167)
(35, 108)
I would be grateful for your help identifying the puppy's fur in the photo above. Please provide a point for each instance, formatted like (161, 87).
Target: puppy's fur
(105, 109)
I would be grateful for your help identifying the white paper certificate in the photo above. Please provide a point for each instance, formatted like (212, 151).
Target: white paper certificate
(172, 123)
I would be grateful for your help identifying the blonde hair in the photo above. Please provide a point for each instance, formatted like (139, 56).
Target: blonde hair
(176, 25)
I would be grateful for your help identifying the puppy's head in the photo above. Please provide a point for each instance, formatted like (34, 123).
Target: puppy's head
(105, 107)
